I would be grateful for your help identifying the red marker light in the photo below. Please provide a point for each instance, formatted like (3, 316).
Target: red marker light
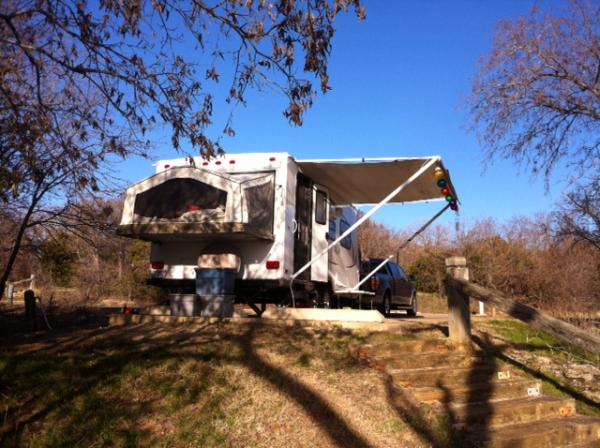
(218, 162)
(272, 159)
(273, 264)
(204, 163)
(231, 162)
(157, 265)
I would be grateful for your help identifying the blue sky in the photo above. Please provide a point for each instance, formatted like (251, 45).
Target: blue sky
(399, 80)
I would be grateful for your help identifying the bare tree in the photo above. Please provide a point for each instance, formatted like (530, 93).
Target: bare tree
(536, 98)
(579, 216)
(82, 84)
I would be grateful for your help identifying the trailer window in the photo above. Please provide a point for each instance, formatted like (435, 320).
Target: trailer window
(260, 200)
(321, 207)
(178, 197)
(347, 241)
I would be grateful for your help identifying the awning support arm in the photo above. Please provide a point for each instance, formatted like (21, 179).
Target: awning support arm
(402, 246)
(362, 219)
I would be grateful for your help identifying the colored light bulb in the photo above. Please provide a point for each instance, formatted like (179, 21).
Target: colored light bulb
(445, 191)
(442, 183)
(454, 206)
(449, 198)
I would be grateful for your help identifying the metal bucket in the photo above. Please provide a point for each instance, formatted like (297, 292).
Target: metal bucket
(217, 305)
(184, 305)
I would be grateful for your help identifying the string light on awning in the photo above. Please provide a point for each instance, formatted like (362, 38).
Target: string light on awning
(442, 182)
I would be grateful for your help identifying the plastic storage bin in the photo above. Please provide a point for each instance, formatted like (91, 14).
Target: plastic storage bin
(215, 281)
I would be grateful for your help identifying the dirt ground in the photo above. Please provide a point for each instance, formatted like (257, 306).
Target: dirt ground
(245, 383)
(226, 384)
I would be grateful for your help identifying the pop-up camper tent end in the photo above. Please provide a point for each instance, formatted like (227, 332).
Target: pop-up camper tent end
(363, 181)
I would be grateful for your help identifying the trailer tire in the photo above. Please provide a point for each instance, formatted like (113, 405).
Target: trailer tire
(324, 297)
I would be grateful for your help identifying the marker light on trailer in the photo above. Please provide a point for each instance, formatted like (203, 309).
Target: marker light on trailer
(273, 264)
(157, 265)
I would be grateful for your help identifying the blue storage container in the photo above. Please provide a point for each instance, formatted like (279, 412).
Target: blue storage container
(215, 281)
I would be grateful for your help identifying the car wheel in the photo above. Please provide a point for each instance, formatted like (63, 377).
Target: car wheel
(412, 311)
(387, 304)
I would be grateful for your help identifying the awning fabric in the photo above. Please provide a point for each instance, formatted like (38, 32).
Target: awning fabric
(368, 181)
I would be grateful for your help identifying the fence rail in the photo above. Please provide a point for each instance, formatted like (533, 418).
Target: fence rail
(459, 291)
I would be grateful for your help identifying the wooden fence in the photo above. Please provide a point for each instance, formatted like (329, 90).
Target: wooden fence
(460, 290)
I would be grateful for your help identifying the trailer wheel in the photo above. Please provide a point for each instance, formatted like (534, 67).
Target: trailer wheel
(324, 297)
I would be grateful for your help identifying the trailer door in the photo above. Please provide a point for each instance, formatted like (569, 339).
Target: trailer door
(302, 238)
(320, 227)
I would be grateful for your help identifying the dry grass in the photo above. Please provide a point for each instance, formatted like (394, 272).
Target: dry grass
(236, 385)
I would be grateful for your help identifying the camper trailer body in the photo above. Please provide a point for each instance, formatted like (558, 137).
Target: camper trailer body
(258, 206)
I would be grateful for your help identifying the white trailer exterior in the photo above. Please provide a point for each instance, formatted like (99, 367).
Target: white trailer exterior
(291, 223)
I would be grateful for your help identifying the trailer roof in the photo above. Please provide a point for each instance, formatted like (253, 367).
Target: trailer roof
(368, 181)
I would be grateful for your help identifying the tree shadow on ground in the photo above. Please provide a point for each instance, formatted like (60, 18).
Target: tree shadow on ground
(498, 351)
(73, 376)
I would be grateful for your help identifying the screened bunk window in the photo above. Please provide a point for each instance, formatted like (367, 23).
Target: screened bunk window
(260, 201)
(176, 197)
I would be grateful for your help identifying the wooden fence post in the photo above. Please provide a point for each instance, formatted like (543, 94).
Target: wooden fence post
(30, 313)
(459, 311)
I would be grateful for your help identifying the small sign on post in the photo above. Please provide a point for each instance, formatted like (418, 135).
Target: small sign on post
(459, 313)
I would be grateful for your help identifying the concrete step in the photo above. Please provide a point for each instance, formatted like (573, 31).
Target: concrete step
(492, 413)
(450, 377)
(516, 388)
(575, 432)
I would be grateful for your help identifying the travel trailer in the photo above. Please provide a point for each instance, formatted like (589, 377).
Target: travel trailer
(290, 224)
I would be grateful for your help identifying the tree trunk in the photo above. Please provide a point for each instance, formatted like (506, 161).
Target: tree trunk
(16, 247)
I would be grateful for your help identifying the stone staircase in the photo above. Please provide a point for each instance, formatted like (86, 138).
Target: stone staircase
(485, 403)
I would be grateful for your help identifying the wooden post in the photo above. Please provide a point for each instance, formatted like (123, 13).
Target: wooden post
(30, 316)
(459, 312)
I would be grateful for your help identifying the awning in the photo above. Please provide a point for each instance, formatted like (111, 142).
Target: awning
(368, 181)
